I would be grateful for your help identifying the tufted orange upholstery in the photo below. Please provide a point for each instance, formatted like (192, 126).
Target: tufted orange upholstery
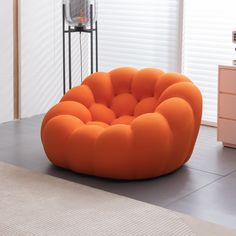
(126, 124)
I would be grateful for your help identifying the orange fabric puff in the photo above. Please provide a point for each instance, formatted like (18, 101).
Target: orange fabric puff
(102, 113)
(101, 87)
(147, 105)
(81, 94)
(123, 104)
(144, 81)
(125, 124)
(121, 79)
(126, 120)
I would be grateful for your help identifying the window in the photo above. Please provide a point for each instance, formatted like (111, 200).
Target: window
(138, 33)
(147, 33)
(207, 42)
(131, 33)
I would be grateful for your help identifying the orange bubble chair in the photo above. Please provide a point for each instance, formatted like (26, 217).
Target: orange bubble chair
(126, 124)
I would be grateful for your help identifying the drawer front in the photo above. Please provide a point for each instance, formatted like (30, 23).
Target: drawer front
(227, 131)
(227, 106)
(227, 83)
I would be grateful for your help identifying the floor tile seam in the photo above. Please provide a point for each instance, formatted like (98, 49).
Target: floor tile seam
(196, 190)
(230, 173)
(212, 173)
(207, 172)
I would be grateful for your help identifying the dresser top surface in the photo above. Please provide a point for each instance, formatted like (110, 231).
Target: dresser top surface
(227, 66)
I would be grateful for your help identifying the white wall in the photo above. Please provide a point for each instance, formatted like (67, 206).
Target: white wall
(6, 61)
(41, 56)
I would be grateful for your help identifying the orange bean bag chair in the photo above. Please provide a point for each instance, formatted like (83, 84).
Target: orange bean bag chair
(125, 124)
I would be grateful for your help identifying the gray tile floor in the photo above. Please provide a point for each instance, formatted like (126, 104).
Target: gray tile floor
(205, 187)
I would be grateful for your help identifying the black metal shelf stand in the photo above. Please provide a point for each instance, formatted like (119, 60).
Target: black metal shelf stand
(92, 30)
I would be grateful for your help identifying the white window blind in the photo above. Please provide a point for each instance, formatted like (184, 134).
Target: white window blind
(40, 48)
(41, 55)
(208, 26)
(138, 33)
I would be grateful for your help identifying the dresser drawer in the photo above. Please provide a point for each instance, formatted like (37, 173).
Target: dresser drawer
(227, 131)
(227, 83)
(227, 106)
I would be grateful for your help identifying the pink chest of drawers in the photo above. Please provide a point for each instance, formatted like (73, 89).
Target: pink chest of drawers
(227, 105)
